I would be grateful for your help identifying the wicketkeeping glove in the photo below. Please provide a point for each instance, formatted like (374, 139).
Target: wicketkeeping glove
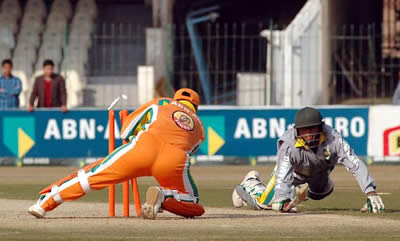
(374, 204)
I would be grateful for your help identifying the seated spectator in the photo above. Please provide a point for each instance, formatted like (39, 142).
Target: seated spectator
(10, 86)
(49, 88)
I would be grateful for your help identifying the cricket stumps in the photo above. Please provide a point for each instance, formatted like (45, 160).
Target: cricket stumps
(125, 186)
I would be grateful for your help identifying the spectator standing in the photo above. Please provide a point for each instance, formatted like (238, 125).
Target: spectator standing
(10, 86)
(49, 88)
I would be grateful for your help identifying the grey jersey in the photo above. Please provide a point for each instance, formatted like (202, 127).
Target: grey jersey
(304, 165)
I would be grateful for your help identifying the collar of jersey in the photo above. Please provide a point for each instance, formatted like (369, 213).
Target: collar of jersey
(301, 143)
(188, 104)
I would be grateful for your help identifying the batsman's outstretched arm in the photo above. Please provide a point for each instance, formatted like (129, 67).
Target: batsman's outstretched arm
(355, 166)
(367, 183)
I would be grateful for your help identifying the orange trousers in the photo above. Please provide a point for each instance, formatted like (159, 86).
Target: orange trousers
(145, 156)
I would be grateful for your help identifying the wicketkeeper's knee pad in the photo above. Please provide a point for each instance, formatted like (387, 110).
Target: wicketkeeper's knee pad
(185, 209)
(69, 177)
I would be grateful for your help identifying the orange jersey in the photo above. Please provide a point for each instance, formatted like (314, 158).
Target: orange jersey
(169, 120)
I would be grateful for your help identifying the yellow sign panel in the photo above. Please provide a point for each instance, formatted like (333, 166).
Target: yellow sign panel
(394, 140)
(25, 143)
(215, 141)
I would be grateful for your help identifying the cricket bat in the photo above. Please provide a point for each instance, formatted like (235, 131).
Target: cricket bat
(301, 195)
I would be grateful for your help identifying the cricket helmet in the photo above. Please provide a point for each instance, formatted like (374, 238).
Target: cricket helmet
(308, 117)
(189, 95)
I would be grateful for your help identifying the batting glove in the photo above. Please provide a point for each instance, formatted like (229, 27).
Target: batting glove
(281, 205)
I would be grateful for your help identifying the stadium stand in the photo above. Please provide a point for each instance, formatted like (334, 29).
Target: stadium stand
(9, 16)
(76, 52)
(25, 53)
(35, 8)
(8, 21)
(11, 8)
(62, 7)
(54, 30)
(5, 52)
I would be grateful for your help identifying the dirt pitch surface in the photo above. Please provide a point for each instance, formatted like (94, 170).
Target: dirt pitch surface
(335, 218)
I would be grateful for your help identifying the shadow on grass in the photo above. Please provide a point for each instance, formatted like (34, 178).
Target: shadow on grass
(105, 217)
(392, 211)
(208, 217)
(332, 210)
(241, 216)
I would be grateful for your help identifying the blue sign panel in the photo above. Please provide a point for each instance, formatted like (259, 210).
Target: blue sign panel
(229, 131)
(254, 132)
(78, 133)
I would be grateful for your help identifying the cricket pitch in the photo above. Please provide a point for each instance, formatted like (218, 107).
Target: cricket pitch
(335, 218)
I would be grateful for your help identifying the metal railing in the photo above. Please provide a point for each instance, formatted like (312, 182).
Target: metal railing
(363, 69)
(228, 49)
(117, 49)
(360, 71)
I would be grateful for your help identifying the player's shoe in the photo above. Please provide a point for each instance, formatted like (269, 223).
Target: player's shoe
(243, 193)
(246, 197)
(154, 199)
(237, 200)
(251, 175)
(36, 210)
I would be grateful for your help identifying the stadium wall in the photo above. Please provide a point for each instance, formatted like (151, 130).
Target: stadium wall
(233, 134)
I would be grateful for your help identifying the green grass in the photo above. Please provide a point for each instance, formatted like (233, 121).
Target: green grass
(339, 202)
(32, 234)
(209, 196)
(350, 203)
(215, 187)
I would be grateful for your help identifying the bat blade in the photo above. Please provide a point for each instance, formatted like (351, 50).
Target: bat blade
(301, 195)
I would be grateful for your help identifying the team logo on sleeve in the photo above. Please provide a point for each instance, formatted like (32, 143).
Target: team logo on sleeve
(183, 120)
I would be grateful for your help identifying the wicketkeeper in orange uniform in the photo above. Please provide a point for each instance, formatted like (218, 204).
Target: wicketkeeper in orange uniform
(162, 135)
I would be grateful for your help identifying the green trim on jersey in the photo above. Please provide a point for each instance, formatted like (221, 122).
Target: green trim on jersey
(163, 102)
(108, 157)
(139, 122)
(194, 187)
